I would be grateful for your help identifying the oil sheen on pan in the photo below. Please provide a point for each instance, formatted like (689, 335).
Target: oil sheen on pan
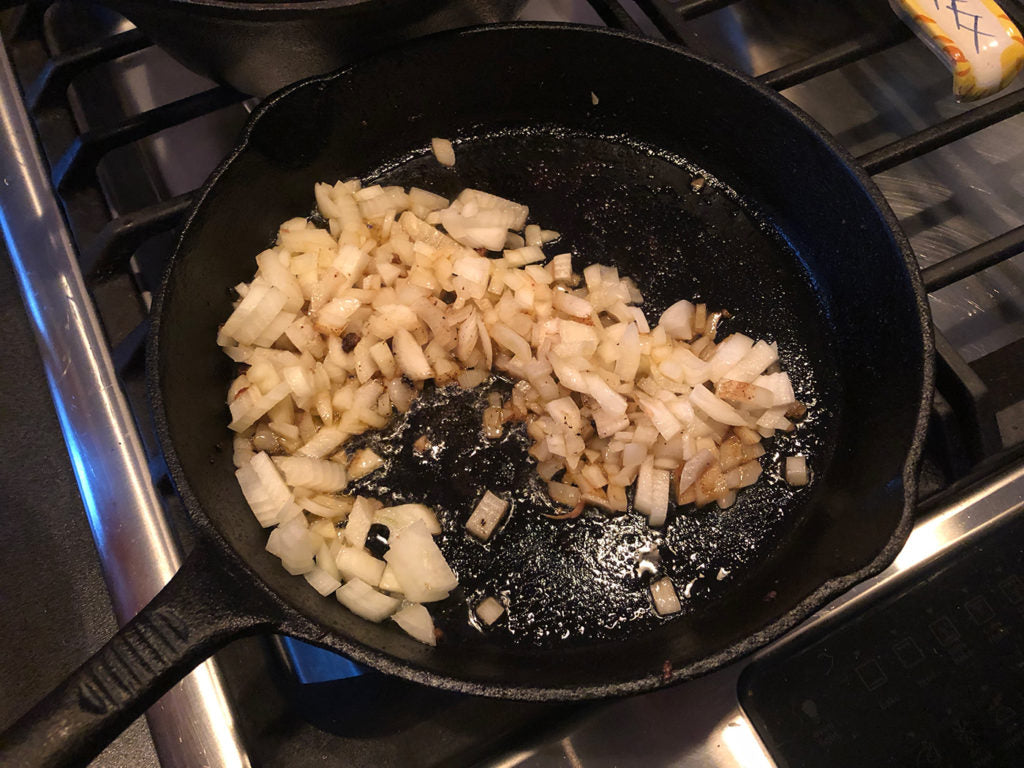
(586, 579)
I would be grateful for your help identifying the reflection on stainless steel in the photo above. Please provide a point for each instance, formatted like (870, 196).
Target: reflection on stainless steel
(171, 162)
(191, 725)
(947, 201)
(700, 724)
(560, 10)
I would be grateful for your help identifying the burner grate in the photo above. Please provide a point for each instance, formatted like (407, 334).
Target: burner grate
(78, 163)
(51, 85)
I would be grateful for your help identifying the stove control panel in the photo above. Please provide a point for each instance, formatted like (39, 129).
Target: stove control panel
(932, 676)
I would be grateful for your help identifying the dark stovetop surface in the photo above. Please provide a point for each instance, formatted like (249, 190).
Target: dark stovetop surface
(928, 676)
(55, 605)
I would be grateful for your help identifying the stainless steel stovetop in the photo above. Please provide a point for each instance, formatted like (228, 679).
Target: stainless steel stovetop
(949, 200)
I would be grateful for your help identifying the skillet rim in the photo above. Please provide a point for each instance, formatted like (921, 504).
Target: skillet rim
(295, 622)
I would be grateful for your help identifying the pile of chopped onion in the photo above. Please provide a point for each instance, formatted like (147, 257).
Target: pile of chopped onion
(341, 326)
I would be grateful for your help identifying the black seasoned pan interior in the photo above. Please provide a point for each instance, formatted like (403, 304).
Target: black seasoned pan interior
(601, 135)
(571, 582)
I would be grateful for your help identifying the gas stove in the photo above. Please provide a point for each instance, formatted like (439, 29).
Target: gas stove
(104, 140)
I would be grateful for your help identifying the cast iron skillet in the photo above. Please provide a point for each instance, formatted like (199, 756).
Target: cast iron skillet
(588, 127)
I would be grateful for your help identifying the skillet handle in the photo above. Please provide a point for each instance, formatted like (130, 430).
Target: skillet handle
(203, 607)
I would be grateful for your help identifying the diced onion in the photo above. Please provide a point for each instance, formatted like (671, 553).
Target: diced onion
(748, 473)
(652, 488)
(322, 581)
(290, 542)
(415, 620)
(489, 512)
(388, 582)
(666, 600)
(323, 442)
(728, 353)
(358, 525)
(355, 563)
(316, 474)
(780, 387)
(694, 468)
(398, 517)
(572, 305)
(704, 399)
(259, 501)
(629, 353)
(561, 493)
(752, 364)
(277, 493)
(443, 151)
(363, 600)
(796, 470)
(677, 320)
(418, 564)
(489, 610)
(410, 357)
(364, 462)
